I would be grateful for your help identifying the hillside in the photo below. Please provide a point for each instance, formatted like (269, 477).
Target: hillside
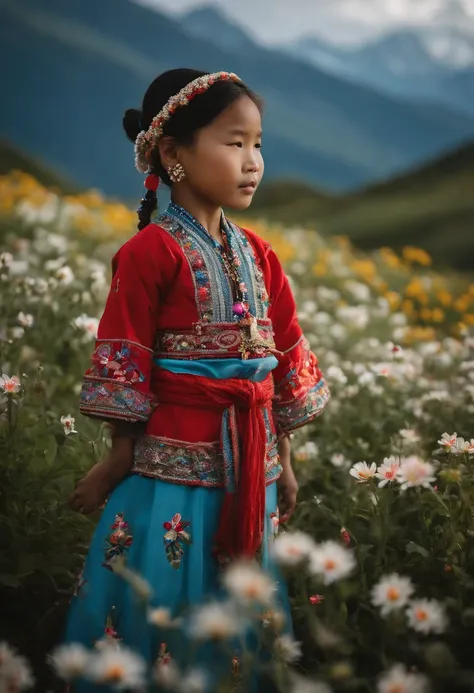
(12, 158)
(431, 207)
(91, 63)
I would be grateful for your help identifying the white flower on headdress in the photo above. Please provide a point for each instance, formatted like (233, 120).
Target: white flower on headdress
(140, 147)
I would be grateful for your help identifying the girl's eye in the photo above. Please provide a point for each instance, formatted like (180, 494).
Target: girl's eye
(259, 145)
(236, 144)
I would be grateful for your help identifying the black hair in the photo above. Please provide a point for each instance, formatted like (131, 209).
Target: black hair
(184, 123)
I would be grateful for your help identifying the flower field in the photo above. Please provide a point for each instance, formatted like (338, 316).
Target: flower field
(380, 553)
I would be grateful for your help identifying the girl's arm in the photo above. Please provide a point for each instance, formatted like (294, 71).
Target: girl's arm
(287, 484)
(117, 386)
(301, 392)
(97, 485)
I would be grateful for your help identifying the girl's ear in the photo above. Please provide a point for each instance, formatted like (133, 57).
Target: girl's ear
(168, 152)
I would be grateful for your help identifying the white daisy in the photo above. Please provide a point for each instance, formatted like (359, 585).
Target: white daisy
(15, 671)
(65, 275)
(117, 667)
(167, 674)
(68, 424)
(307, 451)
(362, 472)
(415, 472)
(87, 324)
(26, 320)
(463, 447)
(288, 648)
(195, 681)
(292, 548)
(18, 332)
(70, 661)
(448, 442)
(427, 616)
(338, 460)
(161, 618)
(10, 385)
(399, 680)
(409, 435)
(331, 561)
(392, 592)
(21, 677)
(248, 584)
(388, 471)
(7, 654)
(215, 621)
(395, 350)
(6, 259)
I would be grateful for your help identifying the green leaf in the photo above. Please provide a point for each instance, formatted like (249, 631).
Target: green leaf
(50, 450)
(411, 547)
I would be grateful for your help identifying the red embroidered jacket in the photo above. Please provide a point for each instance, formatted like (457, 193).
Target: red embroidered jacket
(171, 297)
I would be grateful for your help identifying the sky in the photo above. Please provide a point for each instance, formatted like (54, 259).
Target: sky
(343, 21)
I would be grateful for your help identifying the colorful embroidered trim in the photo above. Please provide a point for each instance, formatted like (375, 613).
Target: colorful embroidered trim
(208, 340)
(148, 140)
(176, 535)
(118, 541)
(117, 361)
(300, 412)
(209, 271)
(116, 384)
(192, 464)
(114, 401)
(302, 394)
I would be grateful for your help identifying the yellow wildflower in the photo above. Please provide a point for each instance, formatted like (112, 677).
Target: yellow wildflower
(462, 303)
(438, 315)
(394, 299)
(444, 297)
(416, 256)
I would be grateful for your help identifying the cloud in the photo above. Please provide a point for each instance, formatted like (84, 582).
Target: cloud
(278, 21)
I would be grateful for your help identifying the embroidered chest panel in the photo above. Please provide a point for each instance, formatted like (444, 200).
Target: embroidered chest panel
(212, 284)
(211, 340)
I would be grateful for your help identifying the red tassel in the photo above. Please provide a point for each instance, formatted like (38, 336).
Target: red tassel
(152, 182)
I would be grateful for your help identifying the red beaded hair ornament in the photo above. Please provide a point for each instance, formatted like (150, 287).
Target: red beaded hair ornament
(147, 140)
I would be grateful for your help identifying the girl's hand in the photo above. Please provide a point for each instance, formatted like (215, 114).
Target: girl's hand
(287, 484)
(92, 491)
(288, 489)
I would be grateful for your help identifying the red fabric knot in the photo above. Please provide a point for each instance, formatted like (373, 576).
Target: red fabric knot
(152, 182)
(242, 520)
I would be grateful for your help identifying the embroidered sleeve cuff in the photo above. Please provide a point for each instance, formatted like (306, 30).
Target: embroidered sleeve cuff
(301, 394)
(117, 384)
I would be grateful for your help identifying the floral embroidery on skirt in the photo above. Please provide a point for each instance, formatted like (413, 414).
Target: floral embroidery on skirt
(174, 539)
(118, 541)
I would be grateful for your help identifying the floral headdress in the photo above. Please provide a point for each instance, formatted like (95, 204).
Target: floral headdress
(148, 139)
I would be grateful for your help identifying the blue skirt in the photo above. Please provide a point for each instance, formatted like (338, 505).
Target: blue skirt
(135, 520)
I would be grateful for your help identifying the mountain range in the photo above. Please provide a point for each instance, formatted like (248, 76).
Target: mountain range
(434, 64)
(75, 66)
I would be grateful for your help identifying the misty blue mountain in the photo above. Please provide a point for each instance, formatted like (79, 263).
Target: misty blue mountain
(71, 67)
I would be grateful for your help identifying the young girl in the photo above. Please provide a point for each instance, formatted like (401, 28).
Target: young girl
(200, 367)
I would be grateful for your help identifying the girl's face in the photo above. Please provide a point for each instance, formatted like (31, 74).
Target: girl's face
(224, 166)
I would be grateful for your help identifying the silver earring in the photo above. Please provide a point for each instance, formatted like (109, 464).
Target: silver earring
(176, 173)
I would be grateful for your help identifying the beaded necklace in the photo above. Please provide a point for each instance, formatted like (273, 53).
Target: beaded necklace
(252, 341)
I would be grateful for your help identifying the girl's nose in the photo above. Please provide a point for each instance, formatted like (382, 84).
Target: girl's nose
(252, 165)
